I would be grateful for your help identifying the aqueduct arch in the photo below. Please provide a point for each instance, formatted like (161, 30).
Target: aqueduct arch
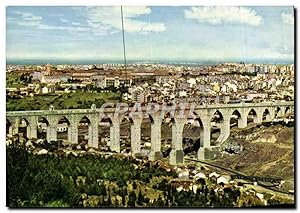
(235, 118)
(203, 114)
(84, 128)
(63, 128)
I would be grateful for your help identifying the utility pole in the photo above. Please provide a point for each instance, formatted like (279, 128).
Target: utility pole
(124, 88)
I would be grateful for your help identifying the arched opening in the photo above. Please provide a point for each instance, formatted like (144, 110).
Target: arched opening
(62, 129)
(252, 115)
(266, 115)
(192, 136)
(166, 134)
(104, 133)
(216, 122)
(8, 127)
(287, 111)
(277, 112)
(43, 124)
(234, 119)
(83, 130)
(125, 130)
(23, 127)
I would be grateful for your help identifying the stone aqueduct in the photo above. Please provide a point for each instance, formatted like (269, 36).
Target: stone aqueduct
(204, 114)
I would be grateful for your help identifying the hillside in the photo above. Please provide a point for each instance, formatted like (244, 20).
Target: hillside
(266, 151)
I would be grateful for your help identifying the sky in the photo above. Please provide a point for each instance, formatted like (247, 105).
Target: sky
(195, 33)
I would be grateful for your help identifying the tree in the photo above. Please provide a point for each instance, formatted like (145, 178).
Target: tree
(140, 198)
(132, 198)
(134, 186)
(159, 202)
(17, 162)
(108, 203)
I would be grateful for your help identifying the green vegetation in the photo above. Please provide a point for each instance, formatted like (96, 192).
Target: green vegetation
(78, 99)
(59, 180)
(17, 80)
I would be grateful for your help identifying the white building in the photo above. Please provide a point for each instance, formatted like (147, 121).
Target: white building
(251, 69)
(62, 127)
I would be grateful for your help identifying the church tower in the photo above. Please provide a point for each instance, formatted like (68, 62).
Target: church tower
(48, 69)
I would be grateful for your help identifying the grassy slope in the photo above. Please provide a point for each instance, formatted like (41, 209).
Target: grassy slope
(78, 99)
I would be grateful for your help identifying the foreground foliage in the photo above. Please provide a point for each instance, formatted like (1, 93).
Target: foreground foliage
(50, 180)
(54, 180)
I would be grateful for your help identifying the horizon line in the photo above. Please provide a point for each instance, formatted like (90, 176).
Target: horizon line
(156, 61)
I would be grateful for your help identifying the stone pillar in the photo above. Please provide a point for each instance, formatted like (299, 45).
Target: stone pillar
(204, 138)
(242, 121)
(15, 126)
(73, 129)
(93, 131)
(259, 116)
(93, 135)
(51, 132)
(155, 152)
(48, 136)
(10, 130)
(135, 136)
(177, 154)
(69, 138)
(32, 127)
(51, 128)
(95, 125)
(115, 135)
(31, 131)
(73, 133)
(206, 132)
(90, 133)
(28, 131)
(224, 129)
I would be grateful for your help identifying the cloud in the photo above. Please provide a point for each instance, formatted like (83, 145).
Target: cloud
(25, 19)
(30, 20)
(75, 23)
(283, 49)
(109, 19)
(98, 21)
(67, 28)
(64, 20)
(221, 14)
(287, 18)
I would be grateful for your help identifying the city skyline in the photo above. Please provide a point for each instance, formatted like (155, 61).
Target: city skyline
(152, 33)
(195, 108)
